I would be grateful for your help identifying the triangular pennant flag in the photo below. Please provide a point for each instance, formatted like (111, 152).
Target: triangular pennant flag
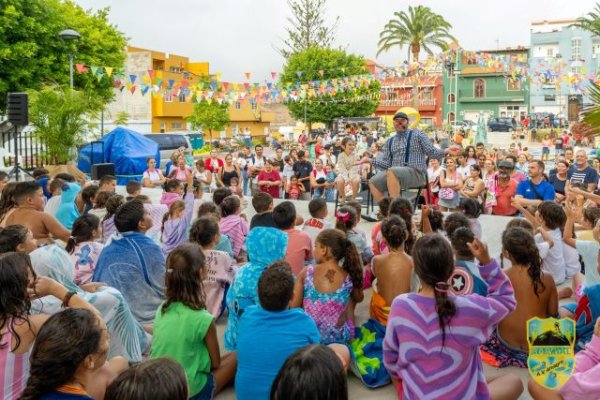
(273, 75)
(117, 84)
(247, 75)
(132, 78)
(122, 88)
(151, 73)
(213, 85)
(246, 85)
(218, 76)
(171, 83)
(185, 84)
(81, 68)
(109, 71)
(94, 70)
(299, 73)
(225, 86)
(99, 75)
(132, 89)
(186, 74)
(321, 72)
(159, 82)
(145, 89)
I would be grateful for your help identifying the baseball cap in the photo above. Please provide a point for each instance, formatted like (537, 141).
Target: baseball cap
(401, 115)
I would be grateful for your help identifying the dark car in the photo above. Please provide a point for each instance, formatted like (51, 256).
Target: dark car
(501, 125)
(168, 143)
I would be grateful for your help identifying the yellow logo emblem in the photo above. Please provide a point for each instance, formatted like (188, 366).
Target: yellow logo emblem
(551, 350)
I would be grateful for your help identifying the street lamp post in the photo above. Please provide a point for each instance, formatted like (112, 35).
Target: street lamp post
(68, 35)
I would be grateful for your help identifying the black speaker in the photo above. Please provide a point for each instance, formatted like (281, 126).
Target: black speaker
(17, 109)
(99, 170)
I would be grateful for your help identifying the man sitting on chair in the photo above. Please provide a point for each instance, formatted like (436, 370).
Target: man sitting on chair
(403, 160)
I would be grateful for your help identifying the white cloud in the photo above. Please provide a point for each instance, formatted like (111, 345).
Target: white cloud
(238, 36)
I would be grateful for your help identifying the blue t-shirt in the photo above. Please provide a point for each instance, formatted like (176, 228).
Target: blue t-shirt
(265, 340)
(56, 395)
(585, 177)
(545, 190)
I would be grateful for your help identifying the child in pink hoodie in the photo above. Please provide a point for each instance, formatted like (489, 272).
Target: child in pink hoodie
(234, 226)
(584, 384)
(173, 192)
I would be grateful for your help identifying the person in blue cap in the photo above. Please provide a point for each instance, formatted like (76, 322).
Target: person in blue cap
(403, 160)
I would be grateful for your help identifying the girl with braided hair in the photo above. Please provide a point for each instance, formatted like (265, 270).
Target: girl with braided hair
(435, 324)
(329, 290)
(536, 296)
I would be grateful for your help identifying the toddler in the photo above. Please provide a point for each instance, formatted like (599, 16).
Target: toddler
(176, 221)
(234, 226)
(83, 247)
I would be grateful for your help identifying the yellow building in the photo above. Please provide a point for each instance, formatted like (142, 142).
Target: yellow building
(169, 112)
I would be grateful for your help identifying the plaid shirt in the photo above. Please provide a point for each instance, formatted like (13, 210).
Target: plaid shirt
(420, 148)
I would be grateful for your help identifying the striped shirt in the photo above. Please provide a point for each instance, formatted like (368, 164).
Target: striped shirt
(412, 348)
(14, 369)
(420, 148)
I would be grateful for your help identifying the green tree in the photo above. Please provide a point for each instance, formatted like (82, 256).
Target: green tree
(61, 119)
(209, 116)
(32, 55)
(420, 29)
(307, 27)
(318, 64)
(591, 22)
(122, 118)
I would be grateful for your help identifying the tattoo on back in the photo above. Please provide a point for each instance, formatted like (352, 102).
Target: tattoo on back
(330, 274)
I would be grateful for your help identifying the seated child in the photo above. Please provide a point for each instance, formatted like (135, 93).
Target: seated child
(465, 278)
(316, 223)
(209, 209)
(234, 226)
(310, 373)
(176, 221)
(108, 222)
(536, 296)
(402, 208)
(196, 347)
(133, 188)
(265, 246)
(83, 247)
(346, 220)
(220, 266)
(394, 272)
(552, 218)
(263, 205)
(442, 319)
(432, 221)
(67, 211)
(55, 188)
(329, 290)
(543, 247)
(269, 333)
(384, 206)
(99, 209)
(452, 222)
(472, 210)
(299, 246)
(173, 191)
(139, 382)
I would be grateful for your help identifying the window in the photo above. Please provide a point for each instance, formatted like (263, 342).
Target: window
(549, 97)
(576, 49)
(595, 50)
(176, 125)
(451, 98)
(254, 105)
(181, 97)
(549, 52)
(513, 84)
(451, 117)
(168, 98)
(238, 105)
(478, 88)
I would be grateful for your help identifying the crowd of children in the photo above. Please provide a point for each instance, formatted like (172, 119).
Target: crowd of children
(112, 297)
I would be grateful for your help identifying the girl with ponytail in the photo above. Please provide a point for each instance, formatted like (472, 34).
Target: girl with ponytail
(437, 325)
(535, 293)
(329, 290)
(83, 247)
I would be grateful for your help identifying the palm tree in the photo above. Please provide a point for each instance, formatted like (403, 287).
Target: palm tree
(420, 29)
(591, 22)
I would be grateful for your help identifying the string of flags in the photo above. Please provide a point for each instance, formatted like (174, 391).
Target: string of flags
(541, 73)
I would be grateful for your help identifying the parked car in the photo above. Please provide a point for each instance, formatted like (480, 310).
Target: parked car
(168, 143)
(501, 125)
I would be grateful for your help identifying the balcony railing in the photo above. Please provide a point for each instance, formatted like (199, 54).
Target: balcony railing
(403, 102)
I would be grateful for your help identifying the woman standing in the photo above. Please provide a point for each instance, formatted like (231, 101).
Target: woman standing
(450, 183)
(152, 176)
(559, 180)
(203, 176)
(473, 186)
(319, 183)
(229, 170)
(471, 155)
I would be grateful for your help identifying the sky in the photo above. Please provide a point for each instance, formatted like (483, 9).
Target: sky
(238, 36)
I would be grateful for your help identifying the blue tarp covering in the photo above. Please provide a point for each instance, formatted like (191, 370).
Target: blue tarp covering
(125, 148)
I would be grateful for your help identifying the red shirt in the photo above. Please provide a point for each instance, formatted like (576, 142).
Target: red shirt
(272, 176)
(318, 149)
(503, 198)
(210, 164)
(294, 192)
